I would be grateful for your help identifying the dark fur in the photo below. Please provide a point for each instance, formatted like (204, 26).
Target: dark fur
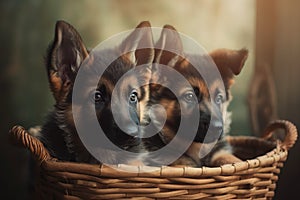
(65, 56)
(229, 63)
(58, 133)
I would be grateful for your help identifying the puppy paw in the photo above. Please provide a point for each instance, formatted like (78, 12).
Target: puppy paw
(224, 157)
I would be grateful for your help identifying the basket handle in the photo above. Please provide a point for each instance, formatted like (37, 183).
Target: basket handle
(290, 132)
(20, 137)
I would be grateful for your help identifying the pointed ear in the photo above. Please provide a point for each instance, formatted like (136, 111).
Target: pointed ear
(138, 46)
(168, 43)
(64, 58)
(229, 63)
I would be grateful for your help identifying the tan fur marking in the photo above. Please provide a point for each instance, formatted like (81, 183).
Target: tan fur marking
(143, 108)
(59, 89)
(55, 85)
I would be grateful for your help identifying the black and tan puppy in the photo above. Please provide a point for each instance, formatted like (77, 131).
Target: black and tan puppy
(65, 57)
(211, 102)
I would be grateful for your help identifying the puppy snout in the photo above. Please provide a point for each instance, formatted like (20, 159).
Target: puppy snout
(217, 126)
(204, 120)
(145, 121)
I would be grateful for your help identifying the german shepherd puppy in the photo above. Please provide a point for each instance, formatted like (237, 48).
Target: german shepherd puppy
(65, 56)
(195, 99)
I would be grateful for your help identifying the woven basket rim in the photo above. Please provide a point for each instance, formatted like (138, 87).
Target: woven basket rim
(21, 137)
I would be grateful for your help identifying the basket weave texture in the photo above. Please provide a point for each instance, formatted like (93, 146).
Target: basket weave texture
(253, 178)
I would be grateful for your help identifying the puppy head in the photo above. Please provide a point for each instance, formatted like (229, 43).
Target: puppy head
(210, 103)
(229, 63)
(68, 54)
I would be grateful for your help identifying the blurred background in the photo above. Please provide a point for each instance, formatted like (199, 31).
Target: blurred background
(266, 89)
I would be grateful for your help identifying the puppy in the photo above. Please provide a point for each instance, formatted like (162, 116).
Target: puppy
(211, 102)
(66, 55)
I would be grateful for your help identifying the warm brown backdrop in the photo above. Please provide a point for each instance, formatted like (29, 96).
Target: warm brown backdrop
(278, 46)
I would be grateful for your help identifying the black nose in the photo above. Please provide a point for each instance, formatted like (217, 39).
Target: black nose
(204, 122)
(211, 124)
(209, 131)
(216, 127)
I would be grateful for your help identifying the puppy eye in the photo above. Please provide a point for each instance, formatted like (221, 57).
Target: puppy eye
(97, 96)
(219, 99)
(189, 97)
(133, 97)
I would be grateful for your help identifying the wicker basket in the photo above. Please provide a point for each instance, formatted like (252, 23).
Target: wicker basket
(253, 178)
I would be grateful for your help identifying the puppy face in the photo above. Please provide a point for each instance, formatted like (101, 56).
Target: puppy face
(126, 77)
(186, 100)
(119, 98)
